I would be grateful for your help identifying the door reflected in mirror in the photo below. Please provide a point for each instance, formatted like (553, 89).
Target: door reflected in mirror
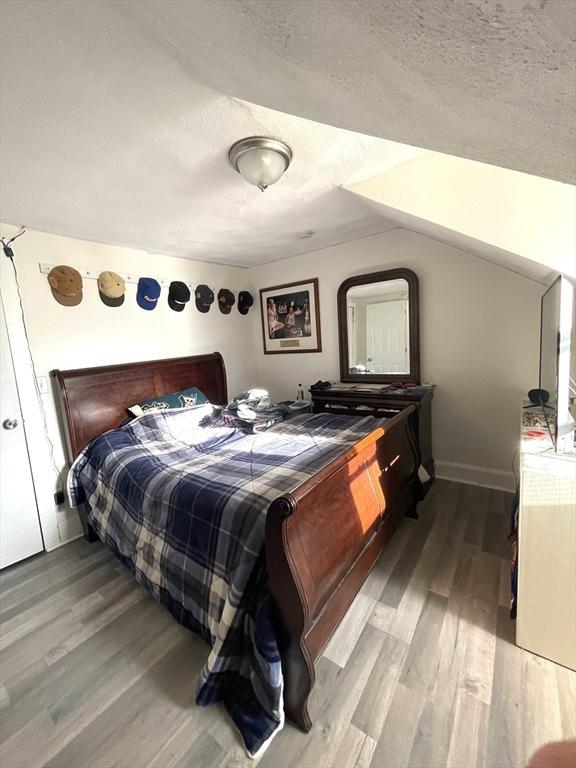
(378, 328)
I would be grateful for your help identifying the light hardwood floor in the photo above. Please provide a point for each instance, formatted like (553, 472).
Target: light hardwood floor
(422, 671)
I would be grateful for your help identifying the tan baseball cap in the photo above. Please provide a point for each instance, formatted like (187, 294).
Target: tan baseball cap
(66, 285)
(111, 288)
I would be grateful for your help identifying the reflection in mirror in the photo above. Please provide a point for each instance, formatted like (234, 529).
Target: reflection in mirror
(378, 328)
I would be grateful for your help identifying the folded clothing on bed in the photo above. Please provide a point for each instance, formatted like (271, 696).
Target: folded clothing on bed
(254, 411)
(181, 497)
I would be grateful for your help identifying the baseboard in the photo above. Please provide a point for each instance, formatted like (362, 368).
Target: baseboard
(63, 543)
(473, 475)
(69, 529)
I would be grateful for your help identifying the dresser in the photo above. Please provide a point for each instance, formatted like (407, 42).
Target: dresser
(383, 401)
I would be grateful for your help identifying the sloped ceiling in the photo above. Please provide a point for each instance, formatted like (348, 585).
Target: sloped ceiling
(540, 273)
(523, 222)
(489, 80)
(116, 116)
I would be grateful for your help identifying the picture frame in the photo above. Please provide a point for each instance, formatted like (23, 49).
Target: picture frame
(291, 318)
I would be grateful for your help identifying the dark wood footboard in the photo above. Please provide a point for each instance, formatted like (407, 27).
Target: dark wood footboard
(323, 539)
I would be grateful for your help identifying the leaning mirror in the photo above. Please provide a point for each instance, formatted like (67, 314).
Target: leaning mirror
(378, 327)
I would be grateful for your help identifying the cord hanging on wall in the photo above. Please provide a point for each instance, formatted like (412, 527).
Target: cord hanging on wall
(6, 245)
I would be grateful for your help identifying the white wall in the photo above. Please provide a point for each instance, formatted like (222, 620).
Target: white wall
(479, 340)
(93, 334)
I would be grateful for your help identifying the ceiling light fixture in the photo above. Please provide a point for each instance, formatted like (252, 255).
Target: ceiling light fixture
(259, 160)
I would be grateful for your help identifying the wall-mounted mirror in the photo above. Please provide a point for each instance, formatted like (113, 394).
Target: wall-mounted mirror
(378, 326)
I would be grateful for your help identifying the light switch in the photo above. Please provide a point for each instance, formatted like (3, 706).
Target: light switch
(42, 384)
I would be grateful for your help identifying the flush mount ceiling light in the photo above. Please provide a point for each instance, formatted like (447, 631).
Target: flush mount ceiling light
(260, 160)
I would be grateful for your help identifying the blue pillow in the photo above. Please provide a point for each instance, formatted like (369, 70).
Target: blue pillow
(183, 399)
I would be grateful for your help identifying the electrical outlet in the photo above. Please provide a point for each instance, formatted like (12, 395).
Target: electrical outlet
(42, 384)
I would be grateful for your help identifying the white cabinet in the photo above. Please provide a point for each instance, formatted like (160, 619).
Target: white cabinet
(546, 618)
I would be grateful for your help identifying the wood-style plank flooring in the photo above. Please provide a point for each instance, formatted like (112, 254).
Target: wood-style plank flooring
(422, 672)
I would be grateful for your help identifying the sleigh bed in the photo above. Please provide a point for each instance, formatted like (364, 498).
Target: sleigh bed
(321, 539)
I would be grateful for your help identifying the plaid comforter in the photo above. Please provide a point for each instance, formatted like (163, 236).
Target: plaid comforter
(181, 499)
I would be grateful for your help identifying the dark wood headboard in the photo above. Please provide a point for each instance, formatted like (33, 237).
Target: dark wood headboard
(94, 400)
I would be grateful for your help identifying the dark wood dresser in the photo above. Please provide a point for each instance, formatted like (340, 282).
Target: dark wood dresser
(381, 400)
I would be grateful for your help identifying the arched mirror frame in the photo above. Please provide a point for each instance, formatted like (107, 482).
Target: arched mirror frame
(413, 322)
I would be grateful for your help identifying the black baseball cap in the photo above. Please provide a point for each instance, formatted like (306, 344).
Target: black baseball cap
(245, 301)
(225, 300)
(204, 298)
(178, 295)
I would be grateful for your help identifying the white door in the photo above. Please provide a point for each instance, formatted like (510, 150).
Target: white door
(20, 534)
(387, 337)
(352, 334)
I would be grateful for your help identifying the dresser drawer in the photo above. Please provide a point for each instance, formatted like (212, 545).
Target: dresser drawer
(365, 401)
(379, 411)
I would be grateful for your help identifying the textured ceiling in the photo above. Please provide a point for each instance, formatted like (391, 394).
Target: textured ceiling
(116, 116)
(489, 80)
(106, 136)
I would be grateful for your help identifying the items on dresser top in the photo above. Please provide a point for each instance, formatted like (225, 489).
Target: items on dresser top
(321, 385)
(536, 428)
(404, 390)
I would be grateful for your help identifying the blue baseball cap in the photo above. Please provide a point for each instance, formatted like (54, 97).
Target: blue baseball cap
(148, 293)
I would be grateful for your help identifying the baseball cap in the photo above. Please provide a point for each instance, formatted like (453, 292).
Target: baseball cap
(225, 300)
(111, 288)
(148, 293)
(204, 298)
(66, 285)
(178, 295)
(245, 301)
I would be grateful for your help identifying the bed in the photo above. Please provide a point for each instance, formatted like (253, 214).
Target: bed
(321, 538)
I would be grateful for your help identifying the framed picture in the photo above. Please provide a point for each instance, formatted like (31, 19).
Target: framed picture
(291, 318)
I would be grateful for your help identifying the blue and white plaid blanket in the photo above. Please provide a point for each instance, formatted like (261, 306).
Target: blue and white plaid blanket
(181, 499)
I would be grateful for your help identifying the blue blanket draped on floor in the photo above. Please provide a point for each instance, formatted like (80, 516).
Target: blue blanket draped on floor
(181, 498)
